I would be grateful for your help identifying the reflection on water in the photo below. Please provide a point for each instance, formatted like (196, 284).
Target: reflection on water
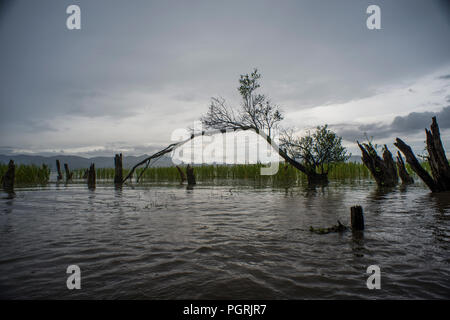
(223, 241)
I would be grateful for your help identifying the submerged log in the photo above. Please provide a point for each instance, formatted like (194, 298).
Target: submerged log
(337, 228)
(68, 173)
(118, 173)
(357, 218)
(384, 170)
(91, 177)
(58, 168)
(190, 175)
(182, 175)
(8, 178)
(404, 175)
(439, 180)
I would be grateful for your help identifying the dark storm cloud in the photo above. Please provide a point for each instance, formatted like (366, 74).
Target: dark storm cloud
(401, 125)
(165, 57)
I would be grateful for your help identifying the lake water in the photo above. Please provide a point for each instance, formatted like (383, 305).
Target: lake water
(223, 241)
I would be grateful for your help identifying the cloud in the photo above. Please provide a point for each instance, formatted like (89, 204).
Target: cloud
(401, 125)
(134, 73)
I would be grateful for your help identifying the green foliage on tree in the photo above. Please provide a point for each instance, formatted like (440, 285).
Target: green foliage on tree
(318, 150)
(256, 109)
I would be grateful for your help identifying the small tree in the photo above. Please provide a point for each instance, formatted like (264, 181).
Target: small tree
(318, 150)
(256, 111)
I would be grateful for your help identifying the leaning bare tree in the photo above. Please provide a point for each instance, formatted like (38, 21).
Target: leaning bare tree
(439, 180)
(259, 114)
(256, 113)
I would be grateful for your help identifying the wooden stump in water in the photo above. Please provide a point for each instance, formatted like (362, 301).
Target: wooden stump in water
(118, 173)
(58, 168)
(357, 218)
(190, 175)
(8, 178)
(383, 170)
(91, 177)
(182, 175)
(68, 173)
(404, 175)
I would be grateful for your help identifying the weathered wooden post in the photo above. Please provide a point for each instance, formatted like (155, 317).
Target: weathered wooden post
(8, 178)
(58, 168)
(118, 173)
(190, 175)
(182, 175)
(439, 180)
(383, 169)
(91, 177)
(404, 175)
(357, 218)
(68, 173)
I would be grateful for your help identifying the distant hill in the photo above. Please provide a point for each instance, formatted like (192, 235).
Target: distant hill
(76, 162)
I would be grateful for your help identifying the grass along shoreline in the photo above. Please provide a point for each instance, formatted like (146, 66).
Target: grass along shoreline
(32, 174)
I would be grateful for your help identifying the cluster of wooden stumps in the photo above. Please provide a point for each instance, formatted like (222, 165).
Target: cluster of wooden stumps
(90, 176)
(386, 172)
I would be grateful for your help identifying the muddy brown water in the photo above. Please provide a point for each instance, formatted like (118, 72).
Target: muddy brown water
(222, 241)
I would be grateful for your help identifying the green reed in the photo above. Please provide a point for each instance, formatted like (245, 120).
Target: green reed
(28, 174)
(285, 174)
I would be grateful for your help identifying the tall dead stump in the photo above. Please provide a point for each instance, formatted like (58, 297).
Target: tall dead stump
(58, 168)
(439, 180)
(118, 173)
(384, 171)
(182, 175)
(404, 175)
(68, 173)
(8, 178)
(190, 175)
(91, 177)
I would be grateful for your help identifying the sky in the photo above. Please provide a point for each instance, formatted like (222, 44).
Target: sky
(137, 71)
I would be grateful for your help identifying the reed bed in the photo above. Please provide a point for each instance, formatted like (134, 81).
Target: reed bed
(28, 174)
(250, 172)
(285, 174)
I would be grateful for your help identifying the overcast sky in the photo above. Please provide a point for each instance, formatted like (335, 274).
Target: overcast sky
(138, 70)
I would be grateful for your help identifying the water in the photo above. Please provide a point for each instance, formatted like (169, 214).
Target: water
(219, 241)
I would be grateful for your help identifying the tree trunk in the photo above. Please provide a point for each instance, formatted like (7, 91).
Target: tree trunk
(91, 177)
(8, 178)
(182, 175)
(404, 175)
(68, 173)
(190, 175)
(439, 180)
(118, 174)
(58, 168)
(383, 170)
(313, 177)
